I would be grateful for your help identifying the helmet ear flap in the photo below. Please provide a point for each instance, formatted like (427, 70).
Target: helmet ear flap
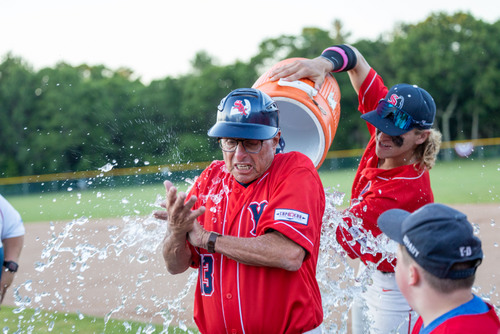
(281, 146)
(272, 107)
(220, 107)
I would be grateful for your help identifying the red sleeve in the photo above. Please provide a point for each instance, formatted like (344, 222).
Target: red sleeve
(369, 213)
(297, 206)
(403, 187)
(372, 90)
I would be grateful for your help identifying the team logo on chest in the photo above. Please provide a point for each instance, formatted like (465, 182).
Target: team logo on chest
(256, 209)
(366, 188)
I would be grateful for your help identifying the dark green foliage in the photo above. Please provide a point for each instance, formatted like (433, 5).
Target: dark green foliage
(80, 118)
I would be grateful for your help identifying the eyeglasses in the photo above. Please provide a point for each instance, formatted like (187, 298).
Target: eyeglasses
(250, 145)
(400, 118)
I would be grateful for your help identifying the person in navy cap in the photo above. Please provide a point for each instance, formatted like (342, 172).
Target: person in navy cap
(393, 173)
(437, 261)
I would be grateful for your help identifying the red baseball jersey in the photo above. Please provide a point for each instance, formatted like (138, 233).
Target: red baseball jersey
(232, 297)
(376, 190)
(475, 316)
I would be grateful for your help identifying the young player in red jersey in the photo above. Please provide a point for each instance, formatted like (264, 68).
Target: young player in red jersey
(393, 173)
(251, 225)
(437, 260)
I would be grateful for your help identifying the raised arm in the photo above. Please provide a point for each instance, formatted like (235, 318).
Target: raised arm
(338, 58)
(359, 72)
(314, 69)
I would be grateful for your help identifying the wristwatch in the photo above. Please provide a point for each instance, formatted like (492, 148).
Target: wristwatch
(211, 242)
(11, 266)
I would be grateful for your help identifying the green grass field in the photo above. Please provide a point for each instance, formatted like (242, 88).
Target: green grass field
(42, 322)
(454, 182)
(465, 181)
(100, 203)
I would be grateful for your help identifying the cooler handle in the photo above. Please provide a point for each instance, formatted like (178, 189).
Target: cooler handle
(299, 85)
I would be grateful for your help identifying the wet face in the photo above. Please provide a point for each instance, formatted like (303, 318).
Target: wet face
(395, 151)
(246, 167)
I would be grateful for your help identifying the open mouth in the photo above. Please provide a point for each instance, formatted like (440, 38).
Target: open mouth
(243, 167)
(384, 145)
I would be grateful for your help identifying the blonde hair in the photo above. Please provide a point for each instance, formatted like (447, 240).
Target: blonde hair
(426, 152)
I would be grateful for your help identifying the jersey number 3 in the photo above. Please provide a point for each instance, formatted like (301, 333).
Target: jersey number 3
(207, 275)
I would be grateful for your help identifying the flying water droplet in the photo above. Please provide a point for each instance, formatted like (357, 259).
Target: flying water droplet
(51, 326)
(106, 168)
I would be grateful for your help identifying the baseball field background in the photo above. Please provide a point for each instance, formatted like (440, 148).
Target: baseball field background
(92, 261)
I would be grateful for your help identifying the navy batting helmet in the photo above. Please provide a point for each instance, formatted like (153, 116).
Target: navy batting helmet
(246, 113)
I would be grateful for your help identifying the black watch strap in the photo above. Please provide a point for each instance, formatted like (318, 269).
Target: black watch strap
(11, 266)
(211, 242)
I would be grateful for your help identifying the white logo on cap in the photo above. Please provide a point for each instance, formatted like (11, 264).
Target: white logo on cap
(465, 251)
(411, 248)
(241, 107)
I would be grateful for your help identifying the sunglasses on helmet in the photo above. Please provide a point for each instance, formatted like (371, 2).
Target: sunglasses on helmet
(400, 118)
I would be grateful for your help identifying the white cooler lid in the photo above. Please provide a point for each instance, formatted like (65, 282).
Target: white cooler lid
(300, 129)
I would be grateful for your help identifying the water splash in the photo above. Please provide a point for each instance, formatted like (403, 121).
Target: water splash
(335, 273)
(339, 284)
(72, 254)
(107, 167)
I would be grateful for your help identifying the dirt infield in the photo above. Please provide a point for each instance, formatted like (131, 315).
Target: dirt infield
(90, 269)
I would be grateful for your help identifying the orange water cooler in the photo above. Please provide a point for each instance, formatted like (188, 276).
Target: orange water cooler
(308, 117)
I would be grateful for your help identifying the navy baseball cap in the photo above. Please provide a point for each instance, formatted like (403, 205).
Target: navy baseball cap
(404, 107)
(436, 237)
(246, 113)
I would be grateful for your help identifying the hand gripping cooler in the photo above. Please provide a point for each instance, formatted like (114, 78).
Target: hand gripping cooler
(308, 117)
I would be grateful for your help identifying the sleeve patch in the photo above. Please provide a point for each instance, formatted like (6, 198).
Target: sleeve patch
(291, 216)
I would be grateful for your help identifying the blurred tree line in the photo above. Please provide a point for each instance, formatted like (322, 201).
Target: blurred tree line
(80, 118)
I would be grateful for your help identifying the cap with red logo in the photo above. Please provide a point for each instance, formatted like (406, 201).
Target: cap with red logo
(405, 107)
(246, 113)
